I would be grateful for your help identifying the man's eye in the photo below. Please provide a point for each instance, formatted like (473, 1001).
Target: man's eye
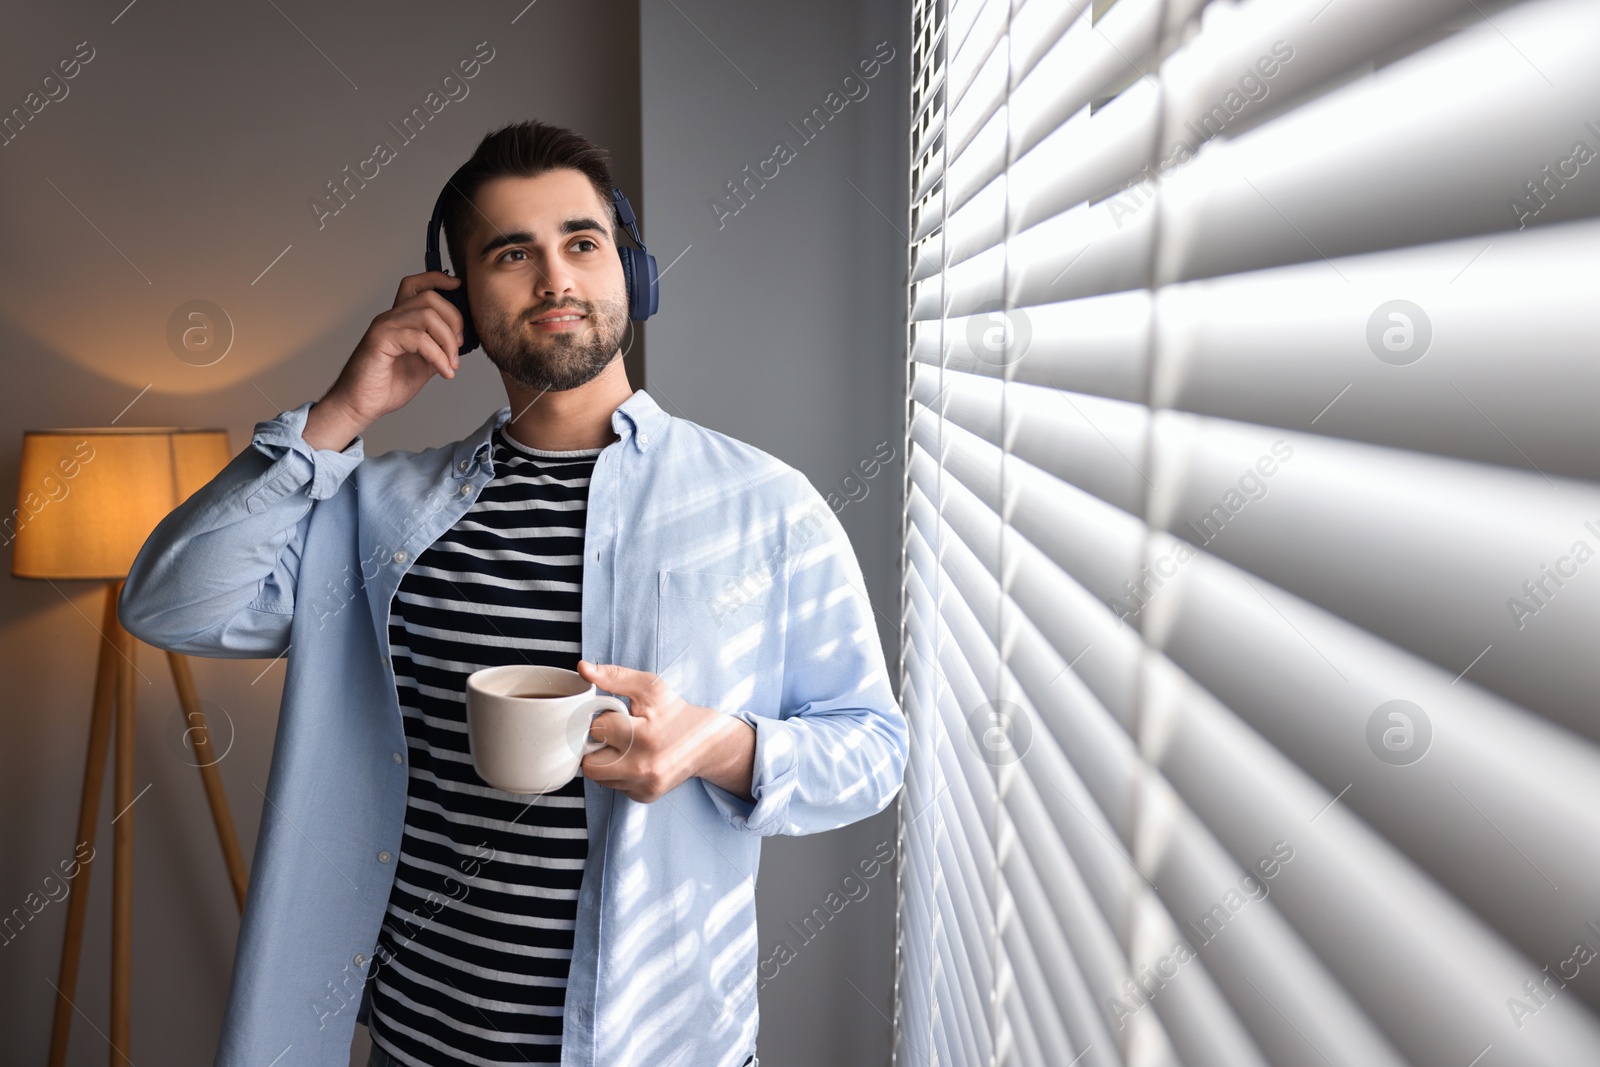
(587, 241)
(518, 251)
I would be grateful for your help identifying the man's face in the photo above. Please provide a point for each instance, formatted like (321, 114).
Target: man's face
(540, 249)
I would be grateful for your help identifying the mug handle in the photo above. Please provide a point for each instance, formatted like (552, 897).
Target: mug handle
(595, 707)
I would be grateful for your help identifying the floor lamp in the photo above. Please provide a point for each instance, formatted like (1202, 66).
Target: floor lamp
(86, 501)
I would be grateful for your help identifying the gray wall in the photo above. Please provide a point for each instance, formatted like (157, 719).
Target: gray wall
(783, 325)
(178, 167)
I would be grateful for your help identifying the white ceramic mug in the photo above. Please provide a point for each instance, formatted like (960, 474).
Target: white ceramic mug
(531, 744)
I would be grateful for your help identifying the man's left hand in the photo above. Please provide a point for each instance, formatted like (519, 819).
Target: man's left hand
(665, 740)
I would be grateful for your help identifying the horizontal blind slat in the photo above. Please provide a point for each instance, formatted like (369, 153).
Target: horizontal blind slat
(1347, 891)
(1096, 345)
(1090, 442)
(1097, 544)
(1504, 767)
(1220, 349)
(1088, 60)
(1437, 584)
(1300, 189)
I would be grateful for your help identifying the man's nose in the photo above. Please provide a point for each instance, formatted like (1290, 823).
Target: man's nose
(554, 280)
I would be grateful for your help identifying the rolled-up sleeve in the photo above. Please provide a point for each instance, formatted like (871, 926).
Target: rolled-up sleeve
(217, 575)
(324, 469)
(836, 751)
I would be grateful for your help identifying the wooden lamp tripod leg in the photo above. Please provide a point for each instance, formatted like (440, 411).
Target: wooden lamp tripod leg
(122, 859)
(114, 689)
(94, 766)
(199, 734)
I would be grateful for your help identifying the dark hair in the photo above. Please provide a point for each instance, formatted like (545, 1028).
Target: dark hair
(521, 150)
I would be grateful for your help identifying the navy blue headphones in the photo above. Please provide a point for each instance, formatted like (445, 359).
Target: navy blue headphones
(638, 267)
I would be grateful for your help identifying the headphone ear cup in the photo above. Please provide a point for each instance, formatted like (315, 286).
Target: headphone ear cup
(644, 292)
(626, 255)
(651, 301)
(458, 297)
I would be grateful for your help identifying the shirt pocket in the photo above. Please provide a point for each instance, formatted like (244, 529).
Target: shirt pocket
(717, 636)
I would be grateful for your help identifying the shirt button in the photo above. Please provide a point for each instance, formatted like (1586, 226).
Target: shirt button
(466, 490)
(361, 960)
(383, 857)
(400, 557)
(462, 465)
(644, 439)
(397, 758)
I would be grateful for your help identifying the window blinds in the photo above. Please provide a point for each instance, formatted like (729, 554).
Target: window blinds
(1251, 535)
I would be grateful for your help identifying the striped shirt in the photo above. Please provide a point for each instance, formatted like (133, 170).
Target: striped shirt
(472, 959)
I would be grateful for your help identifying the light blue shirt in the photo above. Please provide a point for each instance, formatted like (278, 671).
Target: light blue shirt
(706, 561)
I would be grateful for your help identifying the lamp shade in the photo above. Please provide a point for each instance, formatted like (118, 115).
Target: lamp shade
(88, 498)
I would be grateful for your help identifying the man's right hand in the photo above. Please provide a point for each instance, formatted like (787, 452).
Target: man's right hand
(404, 347)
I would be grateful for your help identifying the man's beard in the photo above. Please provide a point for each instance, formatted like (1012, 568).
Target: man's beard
(559, 359)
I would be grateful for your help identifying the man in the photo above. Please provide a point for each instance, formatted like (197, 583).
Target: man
(608, 924)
